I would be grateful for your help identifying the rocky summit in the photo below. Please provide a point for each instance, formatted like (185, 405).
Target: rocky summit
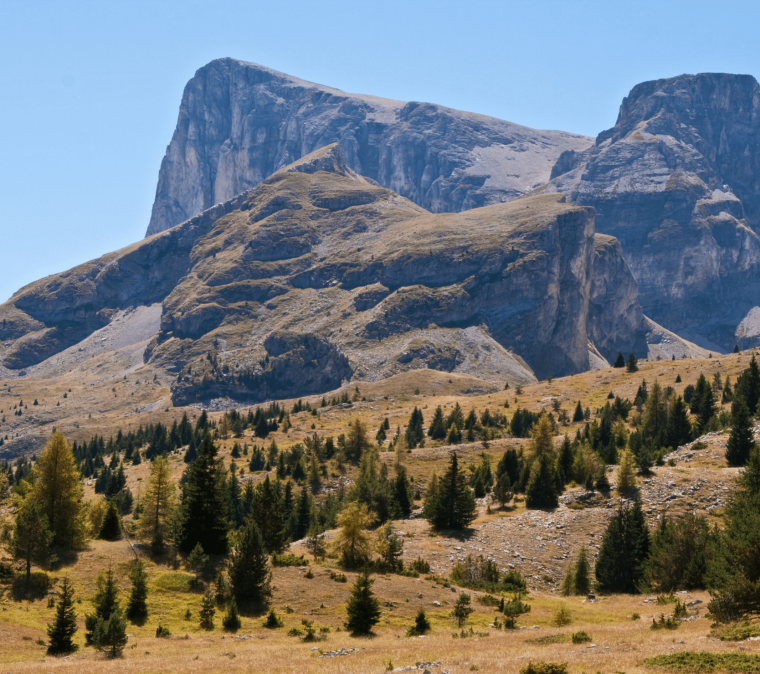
(240, 122)
(677, 182)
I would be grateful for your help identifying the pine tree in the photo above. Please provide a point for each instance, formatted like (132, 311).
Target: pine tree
(204, 502)
(61, 632)
(454, 503)
(157, 502)
(631, 365)
(542, 489)
(620, 360)
(207, 612)
(231, 621)
(249, 568)
(106, 602)
(462, 609)
(363, 607)
(110, 529)
(625, 545)
(582, 581)
(414, 433)
(58, 490)
(741, 440)
(137, 607)
(626, 475)
(31, 538)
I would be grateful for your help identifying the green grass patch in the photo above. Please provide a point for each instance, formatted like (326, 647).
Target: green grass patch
(738, 632)
(176, 581)
(703, 661)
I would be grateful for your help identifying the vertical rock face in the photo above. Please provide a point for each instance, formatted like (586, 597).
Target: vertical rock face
(677, 182)
(240, 122)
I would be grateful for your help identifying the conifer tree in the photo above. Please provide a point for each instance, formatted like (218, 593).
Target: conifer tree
(454, 503)
(111, 634)
(728, 394)
(414, 433)
(390, 548)
(137, 607)
(234, 499)
(352, 541)
(249, 569)
(503, 489)
(542, 489)
(430, 502)
(462, 609)
(620, 360)
(421, 625)
(626, 474)
(31, 537)
(748, 385)
(741, 440)
(363, 607)
(437, 430)
(301, 518)
(58, 490)
(582, 580)
(204, 502)
(625, 545)
(631, 365)
(567, 586)
(207, 612)
(542, 438)
(402, 497)
(106, 602)
(566, 458)
(157, 502)
(578, 414)
(357, 440)
(231, 621)
(268, 511)
(61, 632)
(110, 529)
(678, 430)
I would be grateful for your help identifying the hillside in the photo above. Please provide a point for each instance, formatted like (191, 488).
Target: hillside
(536, 543)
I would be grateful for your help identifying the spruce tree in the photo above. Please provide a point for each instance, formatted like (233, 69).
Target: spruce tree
(582, 580)
(402, 497)
(566, 458)
(437, 430)
(578, 414)
(455, 505)
(106, 602)
(542, 489)
(231, 621)
(414, 433)
(421, 625)
(249, 568)
(748, 385)
(207, 612)
(110, 529)
(462, 609)
(61, 632)
(204, 502)
(625, 546)
(301, 517)
(620, 360)
(678, 429)
(31, 538)
(631, 365)
(137, 607)
(268, 511)
(363, 607)
(741, 440)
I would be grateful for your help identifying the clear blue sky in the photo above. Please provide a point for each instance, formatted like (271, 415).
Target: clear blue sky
(90, 90)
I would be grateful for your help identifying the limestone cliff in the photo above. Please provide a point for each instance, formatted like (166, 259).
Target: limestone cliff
(240, 122)
(677, 182)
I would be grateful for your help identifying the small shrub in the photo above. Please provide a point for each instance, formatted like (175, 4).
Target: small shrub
(421, 625)
(295, 632)
(680, 610)
(666, 598)
(488, 600)
(289, 559)
(739, 632)
(704, 661)
(162, 632)
(636, 616)
(545, 668)
(420, 565)
(580, 637)
(664, 623)
(338, 577)
(272, 621)
(549, 639)
(561, 617)
(308, 574)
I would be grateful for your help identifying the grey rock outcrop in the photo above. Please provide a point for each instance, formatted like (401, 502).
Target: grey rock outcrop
(320, 276)
(677, 182)
(240, 122)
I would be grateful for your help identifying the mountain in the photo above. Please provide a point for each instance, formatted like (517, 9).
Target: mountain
(240, 122)
(677, 182)
(319, 276)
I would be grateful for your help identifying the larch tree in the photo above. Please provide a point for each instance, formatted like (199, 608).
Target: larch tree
(352, 542)
(157, 502)
(58, 490)
(626, 474)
